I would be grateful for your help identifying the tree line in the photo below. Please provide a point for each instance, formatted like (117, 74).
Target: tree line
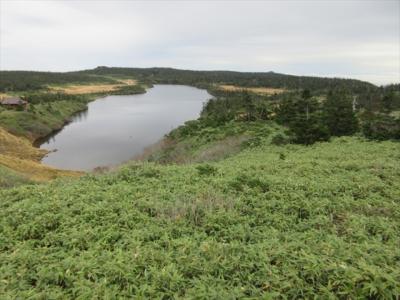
(312, 118)
(205, 79)
(29, 80)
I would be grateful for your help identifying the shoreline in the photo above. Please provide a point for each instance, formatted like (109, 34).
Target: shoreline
(40, 140)
(161, 139)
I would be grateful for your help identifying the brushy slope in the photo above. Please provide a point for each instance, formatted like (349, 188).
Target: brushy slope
(34, 170)
(197, 142)
(272, 221)
(10, 178)
(41, 119)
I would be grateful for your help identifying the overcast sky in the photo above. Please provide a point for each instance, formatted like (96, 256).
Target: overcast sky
(358, 39)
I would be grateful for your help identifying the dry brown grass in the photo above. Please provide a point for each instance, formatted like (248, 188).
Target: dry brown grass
(256, 90)
(92, 88)
(19, 147)
(3, 95)
(129, 81)
(34, 170)
(18, 154)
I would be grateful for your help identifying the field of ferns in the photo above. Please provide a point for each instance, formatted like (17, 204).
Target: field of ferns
(270, 222)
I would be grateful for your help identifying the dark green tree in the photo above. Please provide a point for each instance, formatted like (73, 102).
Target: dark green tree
(339, 115)
(380, 126)
(388, 101)
(308, 125)
(249, 106)
(302, 114)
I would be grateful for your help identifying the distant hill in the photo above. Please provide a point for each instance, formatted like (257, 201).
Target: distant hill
(29, 80)
(253, 79)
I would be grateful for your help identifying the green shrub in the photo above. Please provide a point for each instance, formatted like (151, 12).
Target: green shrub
(381, 127)
(280, 139)
(206, 170)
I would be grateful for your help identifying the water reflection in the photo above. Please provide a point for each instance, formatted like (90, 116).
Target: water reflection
(80, 116)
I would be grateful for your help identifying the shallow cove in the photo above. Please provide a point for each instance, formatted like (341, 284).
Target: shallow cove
(116, 128)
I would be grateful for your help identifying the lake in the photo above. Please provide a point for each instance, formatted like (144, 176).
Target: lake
(114, 129)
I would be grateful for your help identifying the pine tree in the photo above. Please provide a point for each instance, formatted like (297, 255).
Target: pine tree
(388, 102)
(308, 125)
(249, 105)
(339, 115)
(303, 116)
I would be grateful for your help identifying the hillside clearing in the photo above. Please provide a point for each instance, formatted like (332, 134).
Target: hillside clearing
(85, 89)
(256, 90)
(92, 88)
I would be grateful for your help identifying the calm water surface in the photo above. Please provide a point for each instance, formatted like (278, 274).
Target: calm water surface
(116, 128)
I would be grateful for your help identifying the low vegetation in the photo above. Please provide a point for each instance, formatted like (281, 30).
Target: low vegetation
(19, 147)
(34, 170)
(10, 178)
(86, 89)
(43, 117)
(27, 80)
(197, 141)
(256, 90)
(270, 222)
(20, 162)
(123, 86)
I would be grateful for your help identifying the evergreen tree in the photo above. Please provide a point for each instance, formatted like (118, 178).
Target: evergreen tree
(286, 109)
(249, 105)
(339, 115)
(388, 101)
(307, 124)
(303, 117)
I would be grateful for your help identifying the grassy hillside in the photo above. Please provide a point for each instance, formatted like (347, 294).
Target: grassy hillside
(19, 147)
(42, 118)
(196, 141)
(30, 80)
(10, 178)
(272, 221)
(20, 162)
